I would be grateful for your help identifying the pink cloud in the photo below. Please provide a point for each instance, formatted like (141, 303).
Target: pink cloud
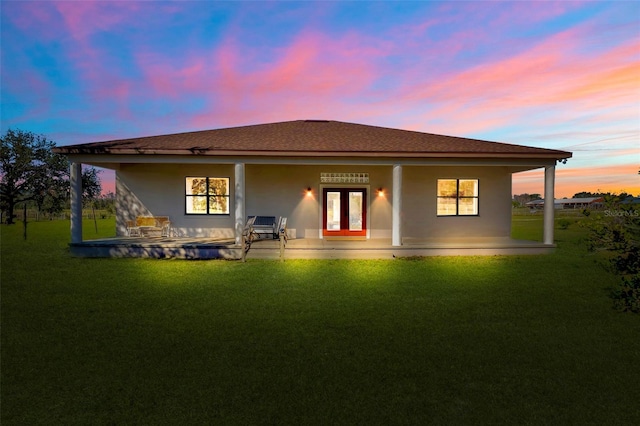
(519, 76)
(401, 76)
(320, 66)
(521, 12)
(172, 79)
(69, 27)
(311, 75)
(316, 74)
(33, 17)
(99, 79)
(555, 72)
(32, 84)
(85, 18)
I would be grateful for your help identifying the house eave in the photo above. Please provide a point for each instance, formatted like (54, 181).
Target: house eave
(557, 155)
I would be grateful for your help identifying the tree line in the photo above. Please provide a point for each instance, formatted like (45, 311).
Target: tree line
(32, 175)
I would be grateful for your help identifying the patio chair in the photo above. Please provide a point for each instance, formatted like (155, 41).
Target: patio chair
(264, 226)
(282, 234)
(248, 234)
(166, 228)
(281, 230)
(132, 229)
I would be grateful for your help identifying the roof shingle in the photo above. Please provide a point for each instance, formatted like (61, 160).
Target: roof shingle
(310, 137)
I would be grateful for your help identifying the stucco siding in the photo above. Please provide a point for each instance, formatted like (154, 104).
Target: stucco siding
(280, 190)
(155, 189)
(420, 219)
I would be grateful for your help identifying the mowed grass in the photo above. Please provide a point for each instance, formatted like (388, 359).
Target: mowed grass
(446, 340)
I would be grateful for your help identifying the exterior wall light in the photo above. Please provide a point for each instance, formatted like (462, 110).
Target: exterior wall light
(309, 192)
(380, 192)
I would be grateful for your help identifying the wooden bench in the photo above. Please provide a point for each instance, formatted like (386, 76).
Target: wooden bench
(149, 225)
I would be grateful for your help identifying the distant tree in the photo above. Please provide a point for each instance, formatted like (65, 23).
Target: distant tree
(91, 189)
(91, 185)
(106, 202)
(29, 169)
(52, 195)
(31, 172)
(523, 199)
(608, 197)
(585, 194)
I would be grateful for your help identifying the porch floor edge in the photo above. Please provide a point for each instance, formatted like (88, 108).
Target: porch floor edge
(193, 248)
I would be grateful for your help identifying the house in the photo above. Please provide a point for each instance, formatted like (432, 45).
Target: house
(569, 203)
(334, 181)
(535, 204)
(579, 203)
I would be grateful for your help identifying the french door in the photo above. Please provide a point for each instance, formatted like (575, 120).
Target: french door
(344, 212)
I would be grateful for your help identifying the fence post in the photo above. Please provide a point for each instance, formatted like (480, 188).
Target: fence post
(24, 221)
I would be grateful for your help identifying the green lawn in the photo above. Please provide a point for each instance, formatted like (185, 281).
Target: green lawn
(455, 340)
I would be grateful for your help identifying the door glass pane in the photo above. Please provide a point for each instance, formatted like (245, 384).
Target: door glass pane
(333, 211)
(355, 211)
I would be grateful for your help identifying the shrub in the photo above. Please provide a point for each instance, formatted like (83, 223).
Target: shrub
(563, 223)
(626, 295)
(618, 233)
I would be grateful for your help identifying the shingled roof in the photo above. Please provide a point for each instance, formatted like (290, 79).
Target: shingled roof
(312, 138)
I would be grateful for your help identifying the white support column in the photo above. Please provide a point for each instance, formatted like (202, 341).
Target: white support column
(396, 206)
(549, 201)
(76, 202)
(239, 201)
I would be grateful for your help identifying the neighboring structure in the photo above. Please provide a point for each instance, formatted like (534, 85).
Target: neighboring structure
(631, 200)
(332, 180)
(536, 204)
(569, 203)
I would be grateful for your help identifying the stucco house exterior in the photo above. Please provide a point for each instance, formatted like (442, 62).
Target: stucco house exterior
(333, 181)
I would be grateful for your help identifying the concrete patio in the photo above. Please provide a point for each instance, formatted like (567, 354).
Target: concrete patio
(307, 248)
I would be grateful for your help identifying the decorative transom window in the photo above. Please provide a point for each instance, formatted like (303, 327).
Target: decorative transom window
(207, 195)
(457, 197)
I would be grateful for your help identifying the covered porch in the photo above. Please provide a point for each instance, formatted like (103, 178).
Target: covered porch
(401, 243)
